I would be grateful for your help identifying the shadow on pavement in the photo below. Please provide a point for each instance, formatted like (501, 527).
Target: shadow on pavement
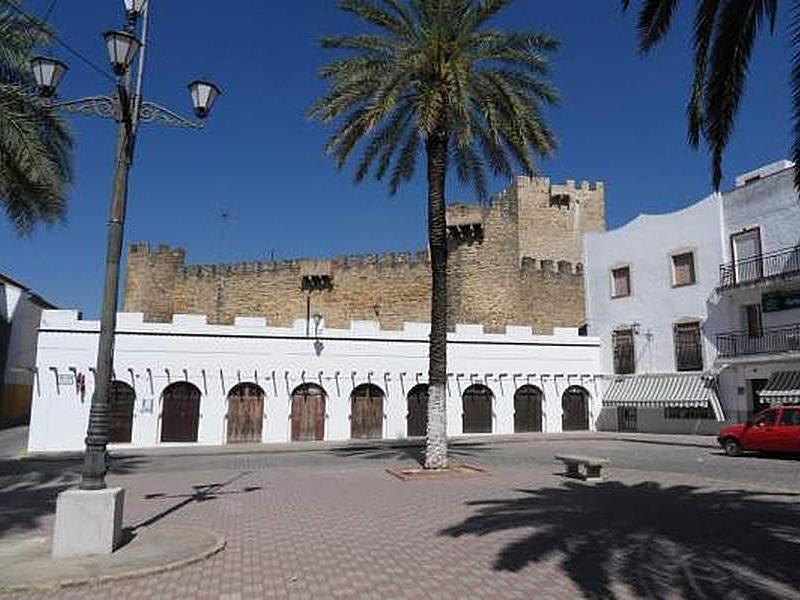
(28, 488)
(658, 541)
(415, 452)
(200, 493)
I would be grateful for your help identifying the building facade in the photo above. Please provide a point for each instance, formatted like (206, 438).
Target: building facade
(757, 307)
(191, 382)
(698, 310)
(20, 313)
(516, 261)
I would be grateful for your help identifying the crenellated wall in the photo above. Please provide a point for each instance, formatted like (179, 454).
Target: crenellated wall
(491, 279)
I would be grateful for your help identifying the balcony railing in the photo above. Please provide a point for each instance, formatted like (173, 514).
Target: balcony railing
(758, 268)
(743, 343)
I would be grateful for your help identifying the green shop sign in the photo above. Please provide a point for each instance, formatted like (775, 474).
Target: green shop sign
(785, 300)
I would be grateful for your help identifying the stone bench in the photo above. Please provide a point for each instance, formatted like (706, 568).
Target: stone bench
(593, 466)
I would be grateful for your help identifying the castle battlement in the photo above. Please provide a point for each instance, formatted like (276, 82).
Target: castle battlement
(551, 267)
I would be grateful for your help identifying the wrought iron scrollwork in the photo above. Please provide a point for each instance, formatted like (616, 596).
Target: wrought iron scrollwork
(93, 106)
(108, 107)
(149, 112)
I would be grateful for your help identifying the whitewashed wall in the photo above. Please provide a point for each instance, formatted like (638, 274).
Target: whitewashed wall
(149, 356)
(646, 244)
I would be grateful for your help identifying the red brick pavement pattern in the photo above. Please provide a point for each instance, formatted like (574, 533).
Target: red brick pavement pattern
(352, 532)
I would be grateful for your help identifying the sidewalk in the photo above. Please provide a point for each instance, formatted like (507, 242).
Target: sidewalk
(700, 441)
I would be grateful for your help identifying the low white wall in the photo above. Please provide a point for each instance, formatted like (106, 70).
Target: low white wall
(150, 356)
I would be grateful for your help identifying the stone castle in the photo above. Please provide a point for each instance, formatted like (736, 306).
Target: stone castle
(516, 261)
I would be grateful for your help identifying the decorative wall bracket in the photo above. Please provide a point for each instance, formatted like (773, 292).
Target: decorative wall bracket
(108, 107)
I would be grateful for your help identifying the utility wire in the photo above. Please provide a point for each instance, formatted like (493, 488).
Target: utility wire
(36, 23)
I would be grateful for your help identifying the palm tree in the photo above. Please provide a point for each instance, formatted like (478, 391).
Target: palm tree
(35, 145)
(430, 75)
(724, 36)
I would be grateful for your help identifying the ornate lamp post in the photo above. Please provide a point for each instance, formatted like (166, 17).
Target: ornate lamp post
(129, 111)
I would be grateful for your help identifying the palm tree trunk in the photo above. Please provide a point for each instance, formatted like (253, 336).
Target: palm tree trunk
(436, 439)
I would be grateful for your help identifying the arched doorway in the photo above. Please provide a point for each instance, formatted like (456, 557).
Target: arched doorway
(121, 401)
(477, 415)
(245, 413)
(180, 412)
(417, 418)
(575, 406)
(366, 412)
(308, 413)
(528, 409)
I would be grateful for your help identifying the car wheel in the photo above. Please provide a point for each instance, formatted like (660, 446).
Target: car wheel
(732, 447)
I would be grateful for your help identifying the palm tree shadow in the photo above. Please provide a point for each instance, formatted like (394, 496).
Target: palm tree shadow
(415, 452)
(654, 540)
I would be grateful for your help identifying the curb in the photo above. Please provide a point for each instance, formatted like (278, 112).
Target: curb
(47, 586)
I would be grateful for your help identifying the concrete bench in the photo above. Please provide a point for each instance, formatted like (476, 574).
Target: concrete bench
(593, 466)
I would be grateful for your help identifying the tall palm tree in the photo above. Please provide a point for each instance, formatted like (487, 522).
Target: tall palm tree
(724, 36)
(35, 145)
(429, 76)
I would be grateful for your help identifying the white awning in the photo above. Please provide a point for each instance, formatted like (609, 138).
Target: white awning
(663, 389)
(783, 387)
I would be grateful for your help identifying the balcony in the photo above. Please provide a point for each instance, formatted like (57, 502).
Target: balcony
(775, 265)
(771, 341)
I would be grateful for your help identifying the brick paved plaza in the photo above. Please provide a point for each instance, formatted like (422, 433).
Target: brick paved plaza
(670, 521)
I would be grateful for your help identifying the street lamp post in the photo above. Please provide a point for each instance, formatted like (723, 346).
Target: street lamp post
(127, 108)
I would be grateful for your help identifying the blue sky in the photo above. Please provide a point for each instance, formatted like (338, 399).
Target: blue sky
(260, 159)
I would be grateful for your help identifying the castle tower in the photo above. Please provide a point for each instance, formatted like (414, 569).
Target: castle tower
(554, 217)
(150, 279)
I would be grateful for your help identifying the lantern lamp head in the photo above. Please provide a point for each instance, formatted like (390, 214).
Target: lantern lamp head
(122, 47)
(134, 8)
(204, 94)
(47, 72)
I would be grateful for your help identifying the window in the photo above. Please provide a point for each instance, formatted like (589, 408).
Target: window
(746, 250)
(791, 417)
(752, 316)
(624, 355)
(767, 418)
(621, 282)
(683, 269)
(688, 347)
(688, 412)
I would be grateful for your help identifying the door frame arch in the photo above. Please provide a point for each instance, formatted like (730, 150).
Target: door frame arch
(193, 396)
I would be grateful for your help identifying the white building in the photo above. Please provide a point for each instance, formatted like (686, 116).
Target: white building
(190, 382)
(697, 310)
(20, 313)
(647, 285)
(757, 308)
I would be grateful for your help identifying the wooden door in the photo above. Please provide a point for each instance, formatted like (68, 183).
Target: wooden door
(245, 413)
(527, 409)
(180, 413)
(308, 413)
(477, 415)
(417, 419)
(366, 413)
(121, 399)
(575, 405)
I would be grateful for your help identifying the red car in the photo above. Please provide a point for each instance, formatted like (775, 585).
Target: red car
(776, 429)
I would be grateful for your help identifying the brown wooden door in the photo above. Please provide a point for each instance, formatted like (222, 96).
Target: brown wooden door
(575, 405)
(245, 413)
(180, 413)
(121, 399)
(417, 418)
(477, 416)
(527, 409)
(366, 412)
(308, 413)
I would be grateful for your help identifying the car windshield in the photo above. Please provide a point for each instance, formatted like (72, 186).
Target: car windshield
(790, 416)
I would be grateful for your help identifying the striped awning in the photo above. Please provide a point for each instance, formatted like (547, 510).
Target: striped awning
(783, 387)
(661, 389)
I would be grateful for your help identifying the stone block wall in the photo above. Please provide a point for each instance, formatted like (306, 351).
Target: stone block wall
(507, 275)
